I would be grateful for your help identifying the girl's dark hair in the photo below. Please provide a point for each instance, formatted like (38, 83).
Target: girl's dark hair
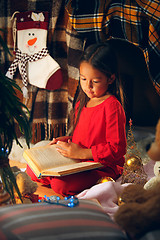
(102, 57)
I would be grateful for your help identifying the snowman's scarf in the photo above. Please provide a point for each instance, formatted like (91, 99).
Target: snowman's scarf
(23, 59)
(48, 112)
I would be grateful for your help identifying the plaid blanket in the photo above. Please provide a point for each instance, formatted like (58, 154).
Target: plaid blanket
(49, 110)
(137, 21)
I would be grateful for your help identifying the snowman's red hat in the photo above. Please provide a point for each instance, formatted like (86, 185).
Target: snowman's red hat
(32, 19)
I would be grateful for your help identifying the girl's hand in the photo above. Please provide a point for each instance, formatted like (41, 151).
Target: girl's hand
(63, 139)
(72, 150)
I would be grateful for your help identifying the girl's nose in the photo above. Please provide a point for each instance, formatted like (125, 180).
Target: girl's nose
(89, 84)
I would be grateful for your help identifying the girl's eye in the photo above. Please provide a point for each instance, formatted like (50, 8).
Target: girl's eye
(96, 81)
(82, 78)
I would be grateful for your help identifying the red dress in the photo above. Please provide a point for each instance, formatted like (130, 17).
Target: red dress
(101, 128)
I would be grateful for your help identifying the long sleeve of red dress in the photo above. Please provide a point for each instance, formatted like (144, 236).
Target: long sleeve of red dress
(102, 129)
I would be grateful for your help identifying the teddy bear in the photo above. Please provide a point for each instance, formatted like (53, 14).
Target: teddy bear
(26, 186)
(139, 211)
(139, 206)
(153, 181)
(154, 154)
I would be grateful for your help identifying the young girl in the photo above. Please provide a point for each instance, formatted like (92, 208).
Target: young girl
(99, 129)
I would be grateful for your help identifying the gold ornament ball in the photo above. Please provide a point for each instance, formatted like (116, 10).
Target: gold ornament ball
(106, 179)
(134, 162)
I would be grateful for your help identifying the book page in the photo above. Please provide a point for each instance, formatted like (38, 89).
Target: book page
(71, 168)
(47, 157)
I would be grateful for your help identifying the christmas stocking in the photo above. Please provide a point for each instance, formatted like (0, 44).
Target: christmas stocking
(35, 64)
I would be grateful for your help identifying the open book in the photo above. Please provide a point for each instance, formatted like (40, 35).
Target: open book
(47, 161)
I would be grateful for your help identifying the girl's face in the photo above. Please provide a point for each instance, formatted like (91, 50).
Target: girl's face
(93, 82)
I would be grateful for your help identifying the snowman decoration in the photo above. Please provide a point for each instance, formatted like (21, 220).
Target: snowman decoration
(32, 58)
